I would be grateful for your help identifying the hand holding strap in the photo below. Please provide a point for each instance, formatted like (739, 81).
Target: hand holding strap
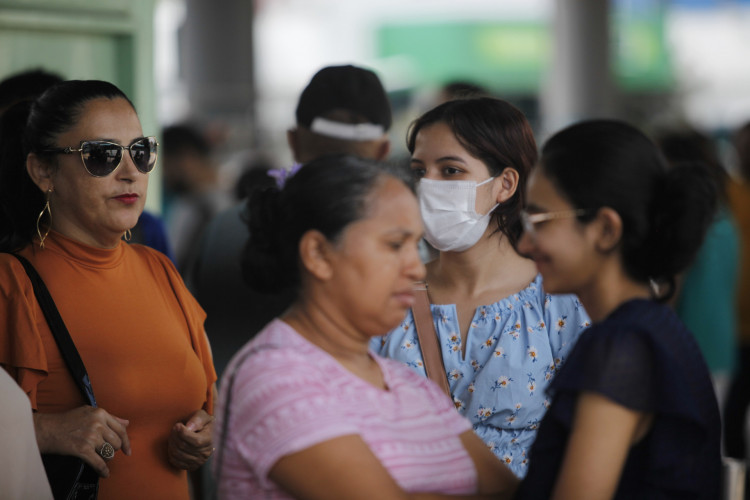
(428, 339)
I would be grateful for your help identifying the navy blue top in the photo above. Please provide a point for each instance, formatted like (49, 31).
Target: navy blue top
(150, 231)
(643, 358)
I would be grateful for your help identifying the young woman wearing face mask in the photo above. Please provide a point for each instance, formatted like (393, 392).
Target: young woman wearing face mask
(502, 338)
(633, 412)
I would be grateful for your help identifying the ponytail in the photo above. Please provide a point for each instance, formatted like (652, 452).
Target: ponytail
(20, 199)
(325, 195)
(268, 265)
(684, 207)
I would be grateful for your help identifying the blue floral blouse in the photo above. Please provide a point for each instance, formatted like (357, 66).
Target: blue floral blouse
(514, 347)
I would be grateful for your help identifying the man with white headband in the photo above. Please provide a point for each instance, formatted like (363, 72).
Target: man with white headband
(342, 110)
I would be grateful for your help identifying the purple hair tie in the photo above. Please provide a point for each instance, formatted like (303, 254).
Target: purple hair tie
(282, 174)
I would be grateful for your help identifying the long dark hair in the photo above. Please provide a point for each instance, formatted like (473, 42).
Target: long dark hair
(497, 133)
(32, 128)
(326, 195)
(665, 212)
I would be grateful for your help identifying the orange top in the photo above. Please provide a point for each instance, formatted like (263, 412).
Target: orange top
(140, 335)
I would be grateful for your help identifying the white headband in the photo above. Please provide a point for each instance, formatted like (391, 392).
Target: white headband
(347, 131)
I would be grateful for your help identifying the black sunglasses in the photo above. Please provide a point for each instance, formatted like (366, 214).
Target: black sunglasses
(101, 158)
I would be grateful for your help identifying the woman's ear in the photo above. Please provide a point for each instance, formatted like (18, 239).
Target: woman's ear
(39, 171)
(314, 252)
(609, 225)
(508, 180)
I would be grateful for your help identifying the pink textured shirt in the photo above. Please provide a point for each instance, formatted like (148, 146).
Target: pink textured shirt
(289, 395)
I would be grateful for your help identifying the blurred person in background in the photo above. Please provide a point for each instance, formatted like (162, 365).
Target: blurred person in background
(342, 110)
(706, 293)
(192, 194)
(738, 398)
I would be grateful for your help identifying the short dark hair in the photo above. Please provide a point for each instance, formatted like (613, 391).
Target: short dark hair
(497, 133)
(183, 137)
(352, 90)
(326, 194)
(33, 128)
(665, 213)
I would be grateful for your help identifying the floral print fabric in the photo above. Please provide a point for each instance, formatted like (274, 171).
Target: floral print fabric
(514, 348)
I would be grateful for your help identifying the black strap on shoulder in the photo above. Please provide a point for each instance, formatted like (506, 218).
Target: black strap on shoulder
(59, 332)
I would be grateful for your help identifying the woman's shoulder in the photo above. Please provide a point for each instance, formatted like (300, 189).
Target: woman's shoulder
(9, 263)
(643, 358)
(534, 297)
(637, 339)
(148, 260)
(277, 348)
(12, 274)
(149, 254)
(632, 323)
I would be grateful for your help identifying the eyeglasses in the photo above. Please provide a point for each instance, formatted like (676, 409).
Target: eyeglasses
(529, 221)
(101, 158)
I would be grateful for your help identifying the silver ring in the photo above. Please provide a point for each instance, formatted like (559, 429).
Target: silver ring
(107, 451)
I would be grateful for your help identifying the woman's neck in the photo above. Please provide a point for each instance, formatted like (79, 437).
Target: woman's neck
(491, 264)
(106, 240)
(611, 289)
(322, 326)
(314, 320)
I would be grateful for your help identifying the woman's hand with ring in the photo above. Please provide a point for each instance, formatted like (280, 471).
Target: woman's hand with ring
(85, 432)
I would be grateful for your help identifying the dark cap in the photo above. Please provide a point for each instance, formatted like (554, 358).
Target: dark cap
(347, 88)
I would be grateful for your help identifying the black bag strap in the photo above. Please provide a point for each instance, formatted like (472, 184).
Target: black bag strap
(59, 332)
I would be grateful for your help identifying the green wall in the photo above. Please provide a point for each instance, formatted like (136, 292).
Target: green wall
(513, 56)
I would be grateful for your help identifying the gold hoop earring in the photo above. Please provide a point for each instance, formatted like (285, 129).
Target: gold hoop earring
(47, 209)
(128, 235)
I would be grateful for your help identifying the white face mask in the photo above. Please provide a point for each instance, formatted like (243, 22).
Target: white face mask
(451, 222)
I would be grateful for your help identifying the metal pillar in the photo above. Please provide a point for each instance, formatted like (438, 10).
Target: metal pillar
(580, 82)
(217, 59)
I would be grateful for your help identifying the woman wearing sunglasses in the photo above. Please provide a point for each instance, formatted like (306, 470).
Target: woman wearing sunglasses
(633, 412)
(502, 337)
(74, 169)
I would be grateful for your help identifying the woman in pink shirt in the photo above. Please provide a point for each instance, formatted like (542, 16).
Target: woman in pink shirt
(306, 410)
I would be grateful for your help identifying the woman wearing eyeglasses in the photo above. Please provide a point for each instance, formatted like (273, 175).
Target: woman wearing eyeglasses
(502, 336)
(74, 169)
(633, 412)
